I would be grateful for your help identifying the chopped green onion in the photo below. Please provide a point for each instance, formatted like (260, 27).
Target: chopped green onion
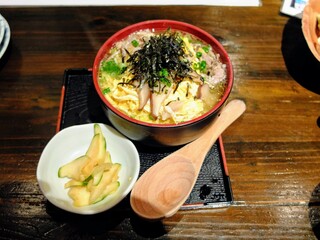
(198, 54)
(135, 43)
(166, 81)
(203, 65)
(196, 66)
(163, 73)
(112, 68)
(206, 48)
(106, 90)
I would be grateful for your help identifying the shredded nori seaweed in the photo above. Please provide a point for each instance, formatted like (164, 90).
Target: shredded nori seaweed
(162, 53)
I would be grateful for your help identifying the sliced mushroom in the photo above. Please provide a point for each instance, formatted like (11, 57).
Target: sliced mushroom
(170, 110)
(157, 98)
(203, 92)
(144, 95)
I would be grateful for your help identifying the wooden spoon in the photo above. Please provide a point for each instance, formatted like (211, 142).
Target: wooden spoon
(165, 186)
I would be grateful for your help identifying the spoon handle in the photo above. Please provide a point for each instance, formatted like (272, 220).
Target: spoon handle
(225, 118)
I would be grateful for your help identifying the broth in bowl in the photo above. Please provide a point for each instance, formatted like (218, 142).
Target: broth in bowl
(162, 77)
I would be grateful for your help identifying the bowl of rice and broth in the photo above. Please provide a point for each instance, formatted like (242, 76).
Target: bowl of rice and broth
(162, 82)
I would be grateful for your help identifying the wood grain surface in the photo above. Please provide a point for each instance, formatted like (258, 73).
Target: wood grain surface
(273, 151)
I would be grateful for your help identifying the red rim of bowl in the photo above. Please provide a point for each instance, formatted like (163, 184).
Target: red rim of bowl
(162, 25)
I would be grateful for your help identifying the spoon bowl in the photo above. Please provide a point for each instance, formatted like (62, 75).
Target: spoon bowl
(164, 187)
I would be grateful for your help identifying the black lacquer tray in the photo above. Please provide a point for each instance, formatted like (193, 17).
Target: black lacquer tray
(80, 104)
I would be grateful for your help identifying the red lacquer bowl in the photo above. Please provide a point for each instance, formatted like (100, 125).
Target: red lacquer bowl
(162, 134)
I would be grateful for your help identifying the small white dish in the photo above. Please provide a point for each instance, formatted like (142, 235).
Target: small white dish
(2, 28)
(5, 39)
(73, 142)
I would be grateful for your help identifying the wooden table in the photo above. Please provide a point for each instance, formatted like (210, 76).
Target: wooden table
(273, 151)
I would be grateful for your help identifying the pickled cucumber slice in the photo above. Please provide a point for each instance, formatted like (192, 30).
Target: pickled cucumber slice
(73, 183)
(98, 171)
(80, 196)
(108, 176)
(93, 175)
(97, 129)
(97, 152)
(73, 168)
(111, 188)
